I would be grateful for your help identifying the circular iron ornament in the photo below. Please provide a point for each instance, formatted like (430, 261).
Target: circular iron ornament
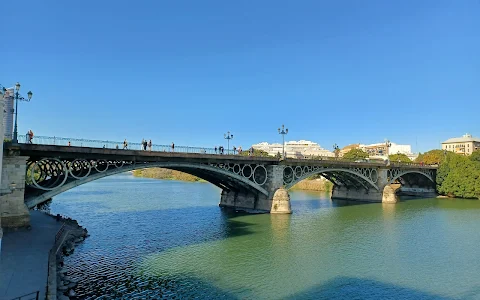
(52, 173)
(258, 174)
(288, 175)
(119, 164)
(374, 175)
(249, 173)
(305, 170)
(298, 171)
(101, 165)
(236, 169)
(79, 168)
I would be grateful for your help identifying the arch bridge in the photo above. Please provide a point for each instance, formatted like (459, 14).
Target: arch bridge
(33, 174)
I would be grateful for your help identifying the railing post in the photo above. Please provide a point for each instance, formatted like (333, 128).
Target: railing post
(38, 295)
(54, 140)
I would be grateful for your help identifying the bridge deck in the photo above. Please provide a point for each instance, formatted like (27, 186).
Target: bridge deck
(71, 152)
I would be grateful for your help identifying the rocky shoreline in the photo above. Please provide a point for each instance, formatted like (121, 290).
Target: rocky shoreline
(71, 234)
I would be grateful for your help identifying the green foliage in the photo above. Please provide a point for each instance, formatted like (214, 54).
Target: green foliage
(256, 152)
(400, 157)
(431, 157)
(459, 176)
(355, 154)
(475, 156)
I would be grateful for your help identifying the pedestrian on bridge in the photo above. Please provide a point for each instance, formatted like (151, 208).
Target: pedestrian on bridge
(215, 149)
(173, 147)
(141, 146)
(150, 145)
(125, 145)
(145, 143)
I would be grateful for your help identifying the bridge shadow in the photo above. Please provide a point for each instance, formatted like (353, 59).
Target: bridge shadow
(359, 288)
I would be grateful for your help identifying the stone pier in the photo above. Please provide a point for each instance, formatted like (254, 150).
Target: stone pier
(278, 200)
(13, 211)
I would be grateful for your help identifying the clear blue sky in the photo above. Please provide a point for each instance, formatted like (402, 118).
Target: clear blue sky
(188, 71)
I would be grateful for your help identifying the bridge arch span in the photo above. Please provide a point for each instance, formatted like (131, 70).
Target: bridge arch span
(395, 174)
(359, 178)
(220, 177)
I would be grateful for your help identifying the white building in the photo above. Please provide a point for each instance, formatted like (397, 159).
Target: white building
(8, 110)
(295, 149)
(380, 150)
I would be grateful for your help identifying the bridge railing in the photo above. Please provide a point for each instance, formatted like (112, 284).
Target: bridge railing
(74, 142)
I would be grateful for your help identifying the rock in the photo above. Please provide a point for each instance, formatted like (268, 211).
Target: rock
(62, 297)
(71, 293)
(72, 285)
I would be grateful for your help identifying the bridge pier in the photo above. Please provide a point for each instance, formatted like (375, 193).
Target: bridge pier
(352, 194)
(13, 211)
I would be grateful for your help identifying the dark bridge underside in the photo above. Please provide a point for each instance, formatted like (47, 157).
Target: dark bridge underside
(220, 180)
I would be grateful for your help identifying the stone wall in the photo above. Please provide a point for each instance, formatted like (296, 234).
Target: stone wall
(13, 211)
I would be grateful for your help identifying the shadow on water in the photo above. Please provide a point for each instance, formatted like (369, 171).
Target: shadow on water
(358, 288)
(138, 287)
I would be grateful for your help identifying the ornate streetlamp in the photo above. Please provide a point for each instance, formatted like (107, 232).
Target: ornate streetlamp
(283, 132)
(18, 98)
(387, 145)
(336, 149)
(228, 137)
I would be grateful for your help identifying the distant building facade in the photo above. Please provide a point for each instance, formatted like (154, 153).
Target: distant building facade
(379, 150)
(464, 145)
(8, 110)
(295, 149)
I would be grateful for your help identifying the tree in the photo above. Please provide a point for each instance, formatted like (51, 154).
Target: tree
(399, 157)
(256, 152)
(475, 156)
(431, 157)
(459, 177)
(355, 154)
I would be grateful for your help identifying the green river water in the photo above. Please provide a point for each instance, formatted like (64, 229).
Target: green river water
(155, 239)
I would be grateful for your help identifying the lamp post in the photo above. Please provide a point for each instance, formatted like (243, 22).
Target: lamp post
(336, 149)
(228, 137)
(18, 98)
(283, 132)
(387, 145)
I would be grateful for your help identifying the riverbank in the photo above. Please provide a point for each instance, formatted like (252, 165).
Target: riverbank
(31, 261)
(319, 185)
(25, 256)
(161, 173)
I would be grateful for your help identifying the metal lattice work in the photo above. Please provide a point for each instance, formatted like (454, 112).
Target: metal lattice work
(357, 177)
(396, 173)
(255, 173)
(51, 173)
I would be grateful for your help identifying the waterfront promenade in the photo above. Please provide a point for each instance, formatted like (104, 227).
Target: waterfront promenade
(24, 257)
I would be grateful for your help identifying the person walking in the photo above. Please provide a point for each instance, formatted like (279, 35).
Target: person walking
(215, 149)
(30, 133)
(150, 145)
(145, 143)
(141, 146)
(69, 144)
(234, 149)
(173, 147)
(125, 145)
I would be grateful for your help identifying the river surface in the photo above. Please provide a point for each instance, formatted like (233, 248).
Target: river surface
(153, 239)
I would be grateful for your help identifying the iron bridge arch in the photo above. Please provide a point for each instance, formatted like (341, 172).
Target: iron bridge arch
(48, 177)
(351, 177)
